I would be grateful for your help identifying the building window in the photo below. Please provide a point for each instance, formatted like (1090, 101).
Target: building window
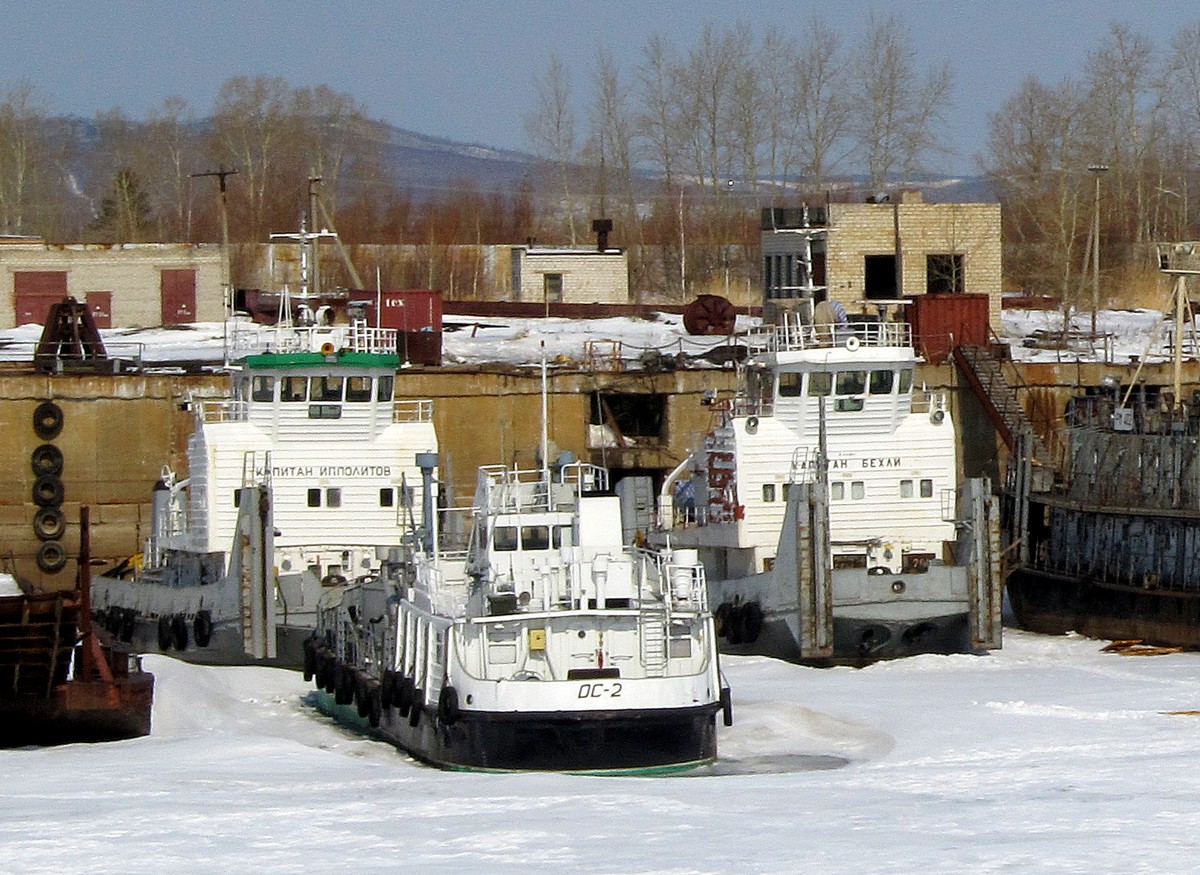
(943, 274)
(552, 287)
(630, 415)
(880, 277)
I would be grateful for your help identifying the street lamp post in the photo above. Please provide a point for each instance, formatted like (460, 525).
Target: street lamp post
(1097, 170)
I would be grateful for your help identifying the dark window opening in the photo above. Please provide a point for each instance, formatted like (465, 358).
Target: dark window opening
(314, 498)
(387, 496)
(943, 274)
(333, 497)
(633, 416)
(535, 537)
(324, 411)
(880, 277)
(504, 539)
(882, 381)
(552, 287)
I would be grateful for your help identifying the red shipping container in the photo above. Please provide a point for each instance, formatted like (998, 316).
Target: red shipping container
(941, 322)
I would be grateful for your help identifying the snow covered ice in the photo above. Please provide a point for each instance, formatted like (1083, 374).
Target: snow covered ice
(1047, 756)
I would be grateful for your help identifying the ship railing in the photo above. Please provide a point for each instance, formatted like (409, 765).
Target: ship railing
(209, 410)
(682, 585)
(793, 335)
(501, 489)
(744, 405)
(412, 411)
(250, 338)
(446, 596)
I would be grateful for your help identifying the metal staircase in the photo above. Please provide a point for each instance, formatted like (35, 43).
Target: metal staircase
(1003, 408)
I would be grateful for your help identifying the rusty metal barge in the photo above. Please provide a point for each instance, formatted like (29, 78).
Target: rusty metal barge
(1109, 546)
(60, 680)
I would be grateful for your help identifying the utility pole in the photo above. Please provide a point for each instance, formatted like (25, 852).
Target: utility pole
(313, 182)
(1096, 170)
(222, 174)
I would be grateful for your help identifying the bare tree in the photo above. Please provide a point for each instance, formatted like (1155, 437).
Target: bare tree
(23, 150)
(551, 130)
(895, 110)
(820, 104)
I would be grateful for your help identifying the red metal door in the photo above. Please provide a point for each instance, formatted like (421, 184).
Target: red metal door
(178, 296)
(35, 292)
(99, 304)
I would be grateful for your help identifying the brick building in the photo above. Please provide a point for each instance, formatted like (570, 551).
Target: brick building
(132, 284)
(868, 253)
(570, 276)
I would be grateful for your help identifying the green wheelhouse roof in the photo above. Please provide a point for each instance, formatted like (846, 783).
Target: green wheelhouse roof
(317, 360)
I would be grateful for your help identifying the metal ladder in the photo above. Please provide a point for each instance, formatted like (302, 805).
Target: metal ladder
(652, 624)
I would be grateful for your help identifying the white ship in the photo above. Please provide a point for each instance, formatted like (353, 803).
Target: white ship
(827, 509)
(541, 643)
(296, 486)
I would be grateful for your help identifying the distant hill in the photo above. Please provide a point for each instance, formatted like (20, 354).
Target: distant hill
(426, 166)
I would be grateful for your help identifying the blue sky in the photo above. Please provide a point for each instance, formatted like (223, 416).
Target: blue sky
(467, 70)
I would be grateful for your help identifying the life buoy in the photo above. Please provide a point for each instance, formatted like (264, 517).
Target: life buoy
(46, 459)
(448, 710)
(327, 349)
(47, 420)
(852, 343)
(49, 523)
(202, 628)
(51, 557)
(47, 491)
(179, 632)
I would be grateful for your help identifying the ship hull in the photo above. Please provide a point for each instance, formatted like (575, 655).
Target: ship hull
(79, 711)
(1055, 604)
(614, 742)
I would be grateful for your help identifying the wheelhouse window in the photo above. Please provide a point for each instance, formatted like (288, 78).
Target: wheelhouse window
(293, 388)
(820, 383)
(358, 389)
(504, 539)
(906, 378)
(535, 537)
(324, 411)
(881, 382)
(851, 382)
(327, 388)
(263, 389)
(790, 385)
(383, 388)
